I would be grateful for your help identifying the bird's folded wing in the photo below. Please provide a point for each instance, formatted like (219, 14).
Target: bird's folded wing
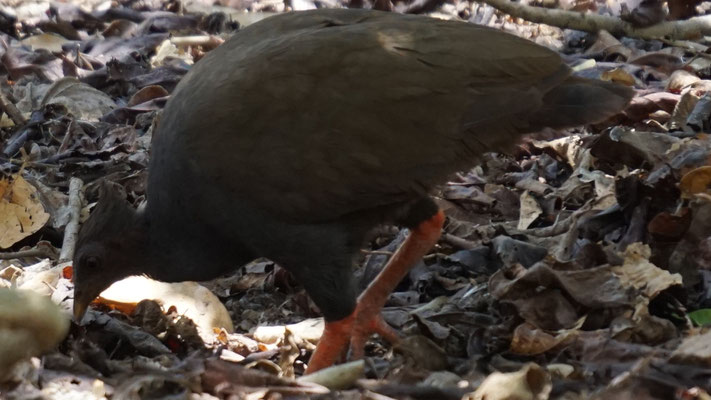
(326, 115)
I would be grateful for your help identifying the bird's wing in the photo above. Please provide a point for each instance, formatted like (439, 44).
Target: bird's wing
(325, 114)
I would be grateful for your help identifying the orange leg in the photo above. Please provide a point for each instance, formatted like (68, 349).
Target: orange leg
(332, 344)
(366, 318)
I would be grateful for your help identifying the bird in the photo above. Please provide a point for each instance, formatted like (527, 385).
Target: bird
(303, 132)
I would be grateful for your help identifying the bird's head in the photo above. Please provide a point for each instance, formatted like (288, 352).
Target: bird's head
(107, 246)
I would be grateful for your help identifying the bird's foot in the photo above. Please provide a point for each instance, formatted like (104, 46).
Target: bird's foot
(364, 327)
(351, 332)
(333, 343)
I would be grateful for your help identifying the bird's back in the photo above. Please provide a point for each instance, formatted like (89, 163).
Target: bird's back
(314, 116)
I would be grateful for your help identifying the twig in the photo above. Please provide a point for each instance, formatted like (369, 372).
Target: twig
(337, 377)
(11, 111)
(28, 164)
(377, 252)
(68, 135)
(14, 145)
(458, 242)
(71, 231)
(208, 41)
(40, 252)
(686, 29)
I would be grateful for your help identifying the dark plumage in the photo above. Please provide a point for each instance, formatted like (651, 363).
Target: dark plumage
(304, 131)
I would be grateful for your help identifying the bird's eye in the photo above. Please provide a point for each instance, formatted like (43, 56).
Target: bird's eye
(91, 262)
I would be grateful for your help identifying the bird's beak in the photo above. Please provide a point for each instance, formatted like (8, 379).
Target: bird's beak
(80, 305)
(79, 310)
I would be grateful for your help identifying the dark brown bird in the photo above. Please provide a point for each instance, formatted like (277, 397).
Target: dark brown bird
(304, 131)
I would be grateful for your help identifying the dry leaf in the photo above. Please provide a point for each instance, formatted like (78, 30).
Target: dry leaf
(47, 41)
(618, 75)
(680, 79)
(529, 383)
(309, 330)
(694, 349)
(530, 210)
(189, 298)
(639, 273)
(695, 181)
(529, 340)
(82, 100)
(21, 212)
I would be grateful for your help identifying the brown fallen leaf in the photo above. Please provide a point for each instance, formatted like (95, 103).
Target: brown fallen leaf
(667, 226)
(80, 99)
(618, 75)
(21, 212)
(530, 210)
(529, 340)
(695, 181)
(680, 79)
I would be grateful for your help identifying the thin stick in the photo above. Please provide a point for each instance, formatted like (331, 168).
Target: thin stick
(11, 111)
(71, 231)
(39, 252)
(458, 242)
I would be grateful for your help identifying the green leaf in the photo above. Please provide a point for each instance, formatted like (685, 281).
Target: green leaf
(701, 317)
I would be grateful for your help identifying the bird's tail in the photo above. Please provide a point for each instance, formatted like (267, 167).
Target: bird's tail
(580, 101)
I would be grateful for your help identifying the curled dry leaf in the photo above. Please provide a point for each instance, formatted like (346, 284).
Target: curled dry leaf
(40, 278)
(422, 353)
(21, 212)
(682, 110)
(168, 50)
(695, 181)
(609, 46)
(643, 327)
(560, 370)
(529, 340)
(529, 383)
(309, 330)
(639, 273)
(694, 349)
(146, 94)
(47, 41)
(680, 79)
(568, 148)
(82, 100)
(633, 148)
(189, 298)
(618, 75)
(661, 61)
(667, 226)
(592, 287)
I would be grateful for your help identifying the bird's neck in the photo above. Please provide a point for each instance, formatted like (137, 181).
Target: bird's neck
(179, 253)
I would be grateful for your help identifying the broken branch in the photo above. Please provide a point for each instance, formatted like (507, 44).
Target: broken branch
(587, 22)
